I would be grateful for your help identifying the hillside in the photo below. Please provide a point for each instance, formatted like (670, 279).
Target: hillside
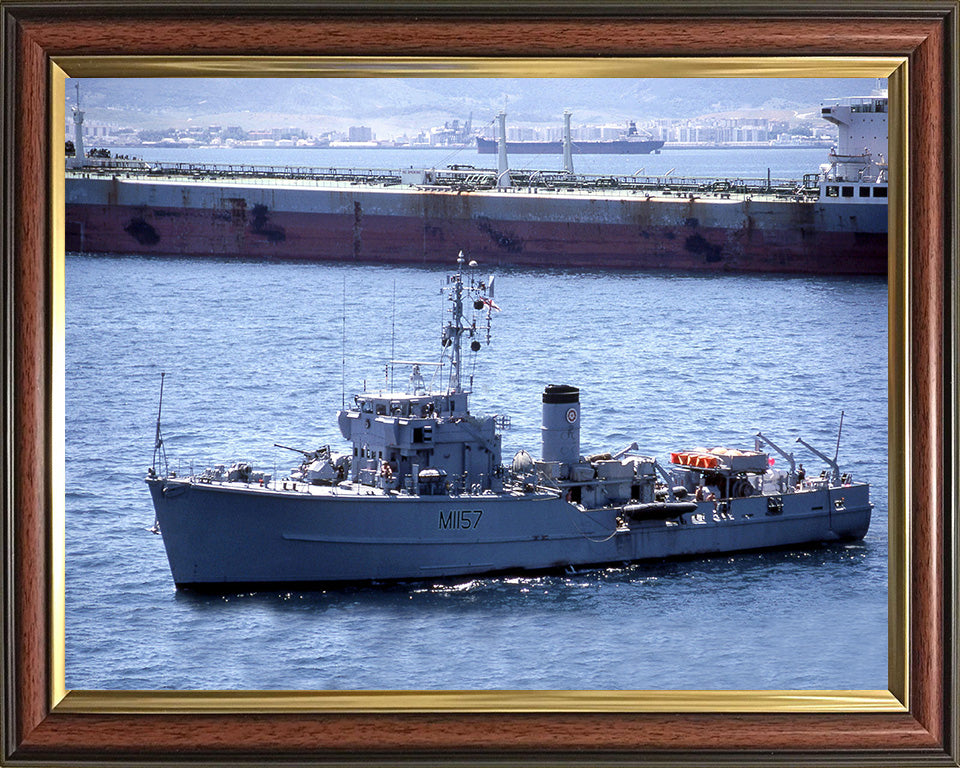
(408, 104)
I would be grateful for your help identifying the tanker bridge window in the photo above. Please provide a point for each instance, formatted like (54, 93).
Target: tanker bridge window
(848, 191)
(833, 191)
(864, 191)
(879, 191)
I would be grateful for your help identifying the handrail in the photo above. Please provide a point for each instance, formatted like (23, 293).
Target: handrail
(459, 179)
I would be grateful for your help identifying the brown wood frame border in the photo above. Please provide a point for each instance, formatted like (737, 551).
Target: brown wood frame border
(925, 32)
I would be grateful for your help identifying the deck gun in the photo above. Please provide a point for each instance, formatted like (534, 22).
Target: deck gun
(308, 456)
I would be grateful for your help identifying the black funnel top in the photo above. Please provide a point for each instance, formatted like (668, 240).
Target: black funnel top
(561, 393)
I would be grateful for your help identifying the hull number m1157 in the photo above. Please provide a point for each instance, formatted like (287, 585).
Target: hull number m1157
(460, 518)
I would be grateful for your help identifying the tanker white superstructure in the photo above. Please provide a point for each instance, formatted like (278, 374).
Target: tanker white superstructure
(423, 493)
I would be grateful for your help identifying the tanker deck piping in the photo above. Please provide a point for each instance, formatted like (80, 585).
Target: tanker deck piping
(455, 178)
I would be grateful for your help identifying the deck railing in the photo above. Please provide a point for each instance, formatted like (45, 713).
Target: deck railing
(458, 178)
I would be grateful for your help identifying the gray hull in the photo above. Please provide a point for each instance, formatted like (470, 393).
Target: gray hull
(228, 534)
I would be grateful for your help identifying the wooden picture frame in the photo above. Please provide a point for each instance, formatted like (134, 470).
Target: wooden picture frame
(914, 722)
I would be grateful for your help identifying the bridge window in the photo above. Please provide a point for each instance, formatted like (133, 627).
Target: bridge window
(864, 191)
(848, 191)
(879, 191)
(833, 191)
(423, 434)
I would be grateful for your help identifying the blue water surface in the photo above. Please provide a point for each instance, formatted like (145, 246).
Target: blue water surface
(257, 353)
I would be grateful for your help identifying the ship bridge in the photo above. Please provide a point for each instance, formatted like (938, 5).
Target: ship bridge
(861, 152)
(397, 437)
(406, 405)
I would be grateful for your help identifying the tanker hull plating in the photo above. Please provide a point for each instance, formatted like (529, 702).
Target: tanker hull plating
(408, 225)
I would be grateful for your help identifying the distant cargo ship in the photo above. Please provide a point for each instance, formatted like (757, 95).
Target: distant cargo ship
(833, 222)
(630, 143)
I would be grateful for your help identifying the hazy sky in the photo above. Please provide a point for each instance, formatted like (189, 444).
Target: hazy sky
(409, 103)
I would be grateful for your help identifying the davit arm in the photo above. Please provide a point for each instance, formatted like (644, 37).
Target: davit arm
(831, 462)
(760, 439)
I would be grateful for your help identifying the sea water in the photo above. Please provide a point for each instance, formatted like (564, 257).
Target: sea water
(260, 352)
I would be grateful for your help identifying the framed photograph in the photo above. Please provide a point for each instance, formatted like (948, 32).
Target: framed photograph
(914, 716)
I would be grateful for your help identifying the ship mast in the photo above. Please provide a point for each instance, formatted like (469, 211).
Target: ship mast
(567, 143)
(456, 326)
(455, 329)
(78, 152)
(503, 168)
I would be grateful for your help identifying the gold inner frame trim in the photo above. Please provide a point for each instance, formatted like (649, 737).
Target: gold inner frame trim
(57, 441)
(414, 66)
(899, 392)
(385, 702)
(381, 702)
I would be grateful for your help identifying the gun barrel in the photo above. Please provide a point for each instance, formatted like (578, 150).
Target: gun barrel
(288, 448)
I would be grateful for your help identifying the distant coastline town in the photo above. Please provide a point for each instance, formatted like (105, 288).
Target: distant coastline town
(705, 132)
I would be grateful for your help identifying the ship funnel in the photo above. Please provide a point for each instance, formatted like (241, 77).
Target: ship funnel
(560, 433)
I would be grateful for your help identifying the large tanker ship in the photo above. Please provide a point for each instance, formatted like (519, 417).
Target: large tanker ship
(629, 143)
(832, 222)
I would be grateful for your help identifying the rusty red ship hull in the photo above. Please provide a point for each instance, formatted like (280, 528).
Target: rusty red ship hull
(542, 228)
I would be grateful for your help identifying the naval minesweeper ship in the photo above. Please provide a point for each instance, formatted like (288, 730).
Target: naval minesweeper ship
(422, 493)
(831, 222)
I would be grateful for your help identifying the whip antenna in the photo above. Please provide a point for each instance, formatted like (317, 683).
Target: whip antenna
(393, 334)
(837, 452)
(158, 440)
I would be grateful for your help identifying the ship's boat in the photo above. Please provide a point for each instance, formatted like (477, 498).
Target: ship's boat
(423, 493)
